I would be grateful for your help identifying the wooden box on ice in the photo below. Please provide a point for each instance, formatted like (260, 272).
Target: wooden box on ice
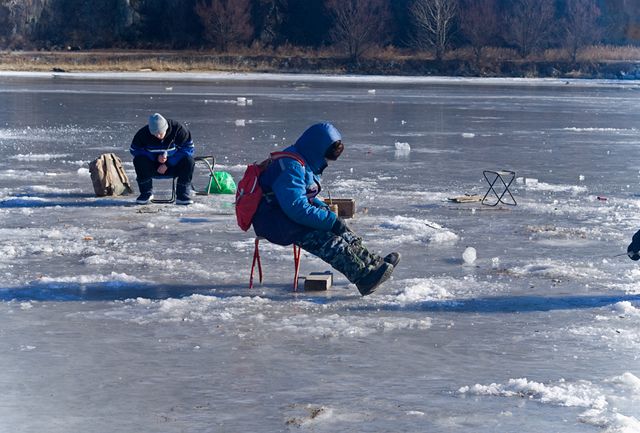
(318, 281)
(346, 206)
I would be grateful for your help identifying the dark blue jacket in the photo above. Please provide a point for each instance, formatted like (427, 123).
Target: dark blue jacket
(176, 142)
(290, 208)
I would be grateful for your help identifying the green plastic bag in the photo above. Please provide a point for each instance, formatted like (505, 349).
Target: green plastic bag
(222, 183)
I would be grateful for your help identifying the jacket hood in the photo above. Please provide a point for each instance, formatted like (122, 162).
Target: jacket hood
(314, 142)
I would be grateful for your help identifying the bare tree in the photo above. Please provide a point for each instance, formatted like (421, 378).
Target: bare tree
(433, 22)
(225, 22)
(358, 24)
(581, 25)
(80, 23)
(479, 23)
(20, 18)
(529, 25)
(5, 23)
(271, 20)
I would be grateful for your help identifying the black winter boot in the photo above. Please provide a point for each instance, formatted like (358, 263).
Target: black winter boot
(392, 258)
(370, 282)
(146, 191)
(182, 194)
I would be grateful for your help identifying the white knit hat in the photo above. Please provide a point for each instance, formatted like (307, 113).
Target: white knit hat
(157, 124)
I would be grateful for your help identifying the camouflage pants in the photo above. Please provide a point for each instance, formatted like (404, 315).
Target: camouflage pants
(344, 253)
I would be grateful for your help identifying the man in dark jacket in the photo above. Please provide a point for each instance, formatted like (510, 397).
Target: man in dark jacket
(290, 211)
(163, 148)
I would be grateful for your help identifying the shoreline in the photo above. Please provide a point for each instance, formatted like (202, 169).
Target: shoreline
(320, 77)
(296, 64)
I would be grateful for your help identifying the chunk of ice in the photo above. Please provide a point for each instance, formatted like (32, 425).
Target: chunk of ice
(469, 255)
(402, 146)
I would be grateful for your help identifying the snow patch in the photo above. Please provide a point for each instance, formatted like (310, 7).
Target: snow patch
(615, 130)
(627, 308)
(557, 269)
(45, 189)
(266, 316)
(579, 394)
(628, 380)
(114, 280)
(549, 187)
(418, 290)
(415, 230)
(39, 157)
(603, 405)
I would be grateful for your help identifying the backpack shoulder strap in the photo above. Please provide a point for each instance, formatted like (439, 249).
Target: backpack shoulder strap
(280, 155)
(107, 163)
(124, 179)
(117, 163)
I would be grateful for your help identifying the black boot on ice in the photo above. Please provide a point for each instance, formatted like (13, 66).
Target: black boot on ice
(392, 258)
(182, 194)
(146, 192)
(370, 282)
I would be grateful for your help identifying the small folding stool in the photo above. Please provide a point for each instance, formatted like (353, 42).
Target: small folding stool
(208, 162)
(256, 259)
(170, 199)
(501, 192)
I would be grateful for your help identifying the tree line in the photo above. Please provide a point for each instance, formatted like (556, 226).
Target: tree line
(351, 27)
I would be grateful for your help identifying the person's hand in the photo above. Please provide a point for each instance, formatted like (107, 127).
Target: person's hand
(162, 169)
(340, 227)
(162, 159)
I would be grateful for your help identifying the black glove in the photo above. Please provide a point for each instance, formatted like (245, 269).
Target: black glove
(633, 250)
(340, 227)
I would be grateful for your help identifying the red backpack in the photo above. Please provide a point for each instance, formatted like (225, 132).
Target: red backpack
(249, 192)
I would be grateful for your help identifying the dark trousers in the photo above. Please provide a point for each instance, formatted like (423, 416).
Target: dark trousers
(344, 253)
(147, 169)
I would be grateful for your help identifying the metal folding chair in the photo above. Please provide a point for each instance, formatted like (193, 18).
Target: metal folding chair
(505, 177)
(207, 162)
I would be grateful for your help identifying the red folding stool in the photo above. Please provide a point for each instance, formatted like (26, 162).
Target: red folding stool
(256, 259)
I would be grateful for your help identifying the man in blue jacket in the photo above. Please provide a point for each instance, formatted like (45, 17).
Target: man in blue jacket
(291, 213)
(163, 148)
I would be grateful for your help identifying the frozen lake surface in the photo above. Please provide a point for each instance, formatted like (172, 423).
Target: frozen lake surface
(122, 318)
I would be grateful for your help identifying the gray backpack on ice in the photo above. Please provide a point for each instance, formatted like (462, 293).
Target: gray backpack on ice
(108, 176)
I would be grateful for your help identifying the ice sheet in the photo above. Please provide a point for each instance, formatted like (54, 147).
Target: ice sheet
(121, 318)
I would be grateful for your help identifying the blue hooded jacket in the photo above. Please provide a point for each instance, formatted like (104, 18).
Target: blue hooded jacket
(290, 207)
